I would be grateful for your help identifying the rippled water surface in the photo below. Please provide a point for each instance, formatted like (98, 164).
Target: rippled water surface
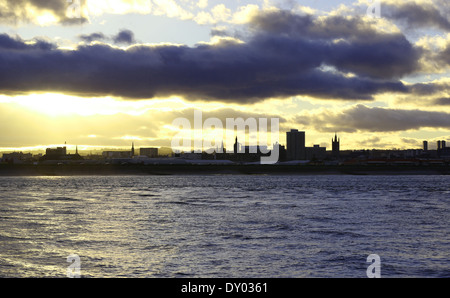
(225, 226)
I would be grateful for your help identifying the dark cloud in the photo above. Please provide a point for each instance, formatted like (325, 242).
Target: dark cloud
(443, 58)
(8, 43)
(14, 11)
(124, 37)
(391, 57)
(421, 89)
(96, 36)
(307, 26)
(443, 101)
(286, 55)
(423, 15)
(219, 32)
(363, 118)
(350, 44)
(282, 22)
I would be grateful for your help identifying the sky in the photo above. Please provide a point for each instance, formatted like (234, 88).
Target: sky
(106, 73)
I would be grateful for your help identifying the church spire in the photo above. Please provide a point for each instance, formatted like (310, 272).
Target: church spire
(336, 145)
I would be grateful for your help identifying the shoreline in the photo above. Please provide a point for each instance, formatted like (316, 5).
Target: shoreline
(167, 170)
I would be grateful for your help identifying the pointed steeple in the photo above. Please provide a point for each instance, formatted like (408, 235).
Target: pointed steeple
(336, 145)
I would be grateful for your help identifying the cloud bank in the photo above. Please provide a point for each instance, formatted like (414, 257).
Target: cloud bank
(361, 118)
(286, 54)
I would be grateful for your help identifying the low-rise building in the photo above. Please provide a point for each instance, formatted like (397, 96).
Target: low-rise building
(149, 152)
(17, 157)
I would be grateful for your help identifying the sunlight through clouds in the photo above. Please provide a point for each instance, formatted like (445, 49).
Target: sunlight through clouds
(322, 67)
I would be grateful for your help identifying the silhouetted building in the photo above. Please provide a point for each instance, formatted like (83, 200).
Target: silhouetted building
(295, 145)
(442, 150)
(425, 145)
(282, 152)
(316, 153)
(253, 149)
(221, 149)
(441, 145)
(243, 153)
(336, 146)
(60, 154)
(119, 154)
(56, 153)
(17, 157)
(237, 147)
(149, 152)
(116, 154)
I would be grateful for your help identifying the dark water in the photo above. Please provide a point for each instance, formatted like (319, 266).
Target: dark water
(225, 226)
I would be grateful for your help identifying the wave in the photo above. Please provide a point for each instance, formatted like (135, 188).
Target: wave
(64, 199)
(148, 195)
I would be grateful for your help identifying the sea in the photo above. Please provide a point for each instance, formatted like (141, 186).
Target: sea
(225, 226)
